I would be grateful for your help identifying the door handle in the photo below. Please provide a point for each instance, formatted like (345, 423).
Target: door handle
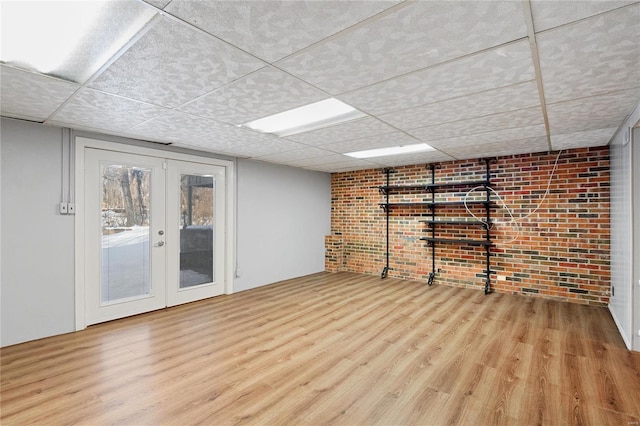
(159, 244)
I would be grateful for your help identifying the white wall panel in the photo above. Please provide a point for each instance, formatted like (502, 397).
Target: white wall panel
(621, 304)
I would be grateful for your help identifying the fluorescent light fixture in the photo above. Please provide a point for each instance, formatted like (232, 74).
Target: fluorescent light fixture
(68, 39)
(392, 150)
(306, 118)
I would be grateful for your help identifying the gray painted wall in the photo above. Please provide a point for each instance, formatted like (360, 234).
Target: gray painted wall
(37, 279)
(283, 214)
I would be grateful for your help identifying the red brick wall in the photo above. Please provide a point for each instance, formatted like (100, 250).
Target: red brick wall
(562, 250)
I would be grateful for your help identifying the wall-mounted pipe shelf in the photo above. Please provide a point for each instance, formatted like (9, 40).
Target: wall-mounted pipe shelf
(445, 190)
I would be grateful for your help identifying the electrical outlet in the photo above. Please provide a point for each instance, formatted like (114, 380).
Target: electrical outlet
(64, 208)
(71, 208)
(501, 277)
(238, 274)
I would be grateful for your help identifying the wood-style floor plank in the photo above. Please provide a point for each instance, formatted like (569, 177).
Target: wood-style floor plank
(341, 349)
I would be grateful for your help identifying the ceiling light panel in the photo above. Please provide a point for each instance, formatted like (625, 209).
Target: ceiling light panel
(504, 99)
(98, 110)
(306, 118)
(178, 127)
(591, 57)
(356, 129)
(409, 159)
(487, 70)
(598, 137)
(550, 14)
(70, 40)
(274, 29)
(594, 112)
(31, 96)
(390, 150)
(262, 93)
(507, 120)
(173, 64)
(414, 37)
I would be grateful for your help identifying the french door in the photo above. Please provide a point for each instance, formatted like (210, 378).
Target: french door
(154, 233)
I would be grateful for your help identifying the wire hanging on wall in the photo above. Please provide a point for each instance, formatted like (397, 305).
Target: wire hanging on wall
(513, 220)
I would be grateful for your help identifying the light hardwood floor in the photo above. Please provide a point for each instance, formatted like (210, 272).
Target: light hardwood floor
(333, 349)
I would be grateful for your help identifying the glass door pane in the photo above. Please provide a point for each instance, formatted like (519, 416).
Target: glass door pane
(195, 231)
(197, 198)
(125, 232)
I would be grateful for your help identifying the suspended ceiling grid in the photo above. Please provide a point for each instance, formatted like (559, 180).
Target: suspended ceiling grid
(471, 79)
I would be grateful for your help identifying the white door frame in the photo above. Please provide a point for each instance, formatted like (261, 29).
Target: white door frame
(80, 274)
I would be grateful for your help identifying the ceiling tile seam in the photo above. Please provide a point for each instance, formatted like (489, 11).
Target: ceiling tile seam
(528, 17)
(222, 86)
(448, 61)
(144, 30)
(343, 140)
(581, 20)
(35, 73)
(371, 19)
(477, 117)
(513, 139)
(207, 34)
(460, 97)
(621, 126)
(611, 92)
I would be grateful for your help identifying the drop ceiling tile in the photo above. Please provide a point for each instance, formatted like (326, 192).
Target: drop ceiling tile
(594, 112)
(409, 159)
(499, 149)
(185, 129)
(487, 70)
(31, 96)
(295, 155)
(160, 4)
(263, 147)
(344, 166)
(479, 140)
(597, 137)
(355, 129)
(98, 110)
(370, 142)
(262, 93)
(591, 57)
(272, 30)
(507, 120)
(319, 161)
(419, 35)
(172, 64)
(550, 14)
(504, 99)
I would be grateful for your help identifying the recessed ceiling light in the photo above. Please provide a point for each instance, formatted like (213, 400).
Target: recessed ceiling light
(306, 118)
(68, 39)
(392, 150)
